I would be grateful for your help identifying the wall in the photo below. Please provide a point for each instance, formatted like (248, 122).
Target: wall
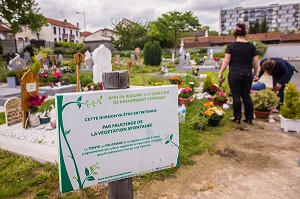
(283, 51)
(95, 44)
(14, 46)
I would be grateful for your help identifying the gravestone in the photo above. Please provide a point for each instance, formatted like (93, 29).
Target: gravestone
(38, 57)
(27, 56)
(53, 59)
(29, 87)
(60, 57)
(211, 54)
(102, 62)
(87, 55)
(137, 53)
(181, 55)
(88, 63)
(188, 59)
(132, 57)
(117, 59)
(17, 63)
(44, 63)
(173, 57)
(13, 111)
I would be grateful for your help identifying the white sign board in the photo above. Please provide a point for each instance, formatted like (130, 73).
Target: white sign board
(30, 87)
(110, 135)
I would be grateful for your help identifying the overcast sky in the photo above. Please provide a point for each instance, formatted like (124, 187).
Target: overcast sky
(100, 14)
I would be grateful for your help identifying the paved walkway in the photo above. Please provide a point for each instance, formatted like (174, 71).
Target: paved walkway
(38, 152)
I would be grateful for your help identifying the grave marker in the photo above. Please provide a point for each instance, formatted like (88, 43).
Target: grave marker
(29, 87)
(60, 57)
(44, 63)
(53, 59)
(88, 63)
(27, 56)
(87, 55)
(17, 63)
(13, 111)
(39, 56)
(102, 62)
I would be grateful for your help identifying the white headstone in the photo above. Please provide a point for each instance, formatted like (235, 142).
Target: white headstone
(173, 57)
(181, 55)
(132, 56)
(87, 55)
(211, 54)
(102, 62)
(27, 56)
(17, 63)
(188, 59)
(60, 57)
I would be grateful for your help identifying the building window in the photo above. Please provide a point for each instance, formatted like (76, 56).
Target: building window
(64, 31)
(76, 33)
(54, 30)
(71, 32)
(59, 31)
(55, 40)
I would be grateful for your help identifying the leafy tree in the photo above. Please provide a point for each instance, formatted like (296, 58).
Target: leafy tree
(251, 30)
(22, 12)
(171, 25)
(130, 35)
(256, 26)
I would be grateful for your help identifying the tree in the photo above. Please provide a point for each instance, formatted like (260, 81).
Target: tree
(22, 12)
(130, 35)
(171, 25)
(152, 53)
(263, 26)
(256, 26)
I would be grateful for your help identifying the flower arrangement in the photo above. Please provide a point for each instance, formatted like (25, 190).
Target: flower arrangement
(185, 93)
(213, 112)
(34, 102)
(291, 104)
(175, 80)
(220, 97)
(57, 74)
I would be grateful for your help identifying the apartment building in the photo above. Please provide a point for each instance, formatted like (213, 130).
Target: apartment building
(284, 17)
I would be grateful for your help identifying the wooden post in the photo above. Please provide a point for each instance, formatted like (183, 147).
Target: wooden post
(119, 189)
(79, 58)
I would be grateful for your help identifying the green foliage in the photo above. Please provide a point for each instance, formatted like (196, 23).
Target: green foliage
(2, 118)
(69, 48)
(264, 100)
(43, 51)
(36, 66)
(291, 104)
(130, 35)
(11, 73)
(213, 33)
(259, 27)
(171, 25)
(261, 48)
(220, 54)
(152, 53)
(46, 107)
(208, 81)
(22, 12)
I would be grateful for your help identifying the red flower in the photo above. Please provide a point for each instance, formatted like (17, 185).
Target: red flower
(36, 100)
(57, 74)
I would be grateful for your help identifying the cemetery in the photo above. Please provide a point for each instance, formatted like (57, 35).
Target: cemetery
(133, 120)
(29, 105)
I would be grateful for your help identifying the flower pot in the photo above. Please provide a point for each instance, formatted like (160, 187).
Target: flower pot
(184, 101)
(12, 82)
(45, 120)
(33, 120)
(289, 124)
(214, 121)
(262, 114)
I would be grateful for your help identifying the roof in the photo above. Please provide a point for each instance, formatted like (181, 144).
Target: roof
(62, 24)
(200, 33)
(85, 34)
(4, 28)
(263, 37)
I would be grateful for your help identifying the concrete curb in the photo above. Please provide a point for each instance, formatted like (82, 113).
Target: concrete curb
(38, 152)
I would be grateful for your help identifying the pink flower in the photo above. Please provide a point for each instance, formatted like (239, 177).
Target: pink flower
(57, 74)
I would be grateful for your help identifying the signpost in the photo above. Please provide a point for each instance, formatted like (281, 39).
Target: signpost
(110, 135)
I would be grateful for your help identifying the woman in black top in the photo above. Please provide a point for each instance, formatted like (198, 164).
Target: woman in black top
(241, 56)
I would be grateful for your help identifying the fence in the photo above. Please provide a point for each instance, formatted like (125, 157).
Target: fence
(18, 46)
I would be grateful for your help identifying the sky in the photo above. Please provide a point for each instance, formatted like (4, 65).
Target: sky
(99, 14)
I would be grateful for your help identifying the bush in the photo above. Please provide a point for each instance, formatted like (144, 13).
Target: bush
(30, 48)
(291, 104)
(11, 73)
(152, 53)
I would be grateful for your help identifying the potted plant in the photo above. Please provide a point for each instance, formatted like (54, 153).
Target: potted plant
(290, 109)
(185, 96)
(209, 86)
(34, 102)
(175, 80)
(213, 113)
(45, 108)
(11, 78)
(263, 102)
(198, 122)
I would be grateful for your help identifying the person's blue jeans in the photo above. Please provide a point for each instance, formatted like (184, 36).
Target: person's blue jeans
(281, 90)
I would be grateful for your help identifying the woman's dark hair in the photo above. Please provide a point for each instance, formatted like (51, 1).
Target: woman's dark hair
(268, 66)
(240, 30)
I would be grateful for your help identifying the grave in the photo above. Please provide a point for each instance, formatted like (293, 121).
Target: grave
(60, 57)
(27, 56)
(13, 111)
(88, 63)
(102, 62)
(44, 63)
(38, 57)
(17, 63)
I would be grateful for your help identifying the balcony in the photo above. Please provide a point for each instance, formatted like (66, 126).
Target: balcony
(72, 37)
(65, 36)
